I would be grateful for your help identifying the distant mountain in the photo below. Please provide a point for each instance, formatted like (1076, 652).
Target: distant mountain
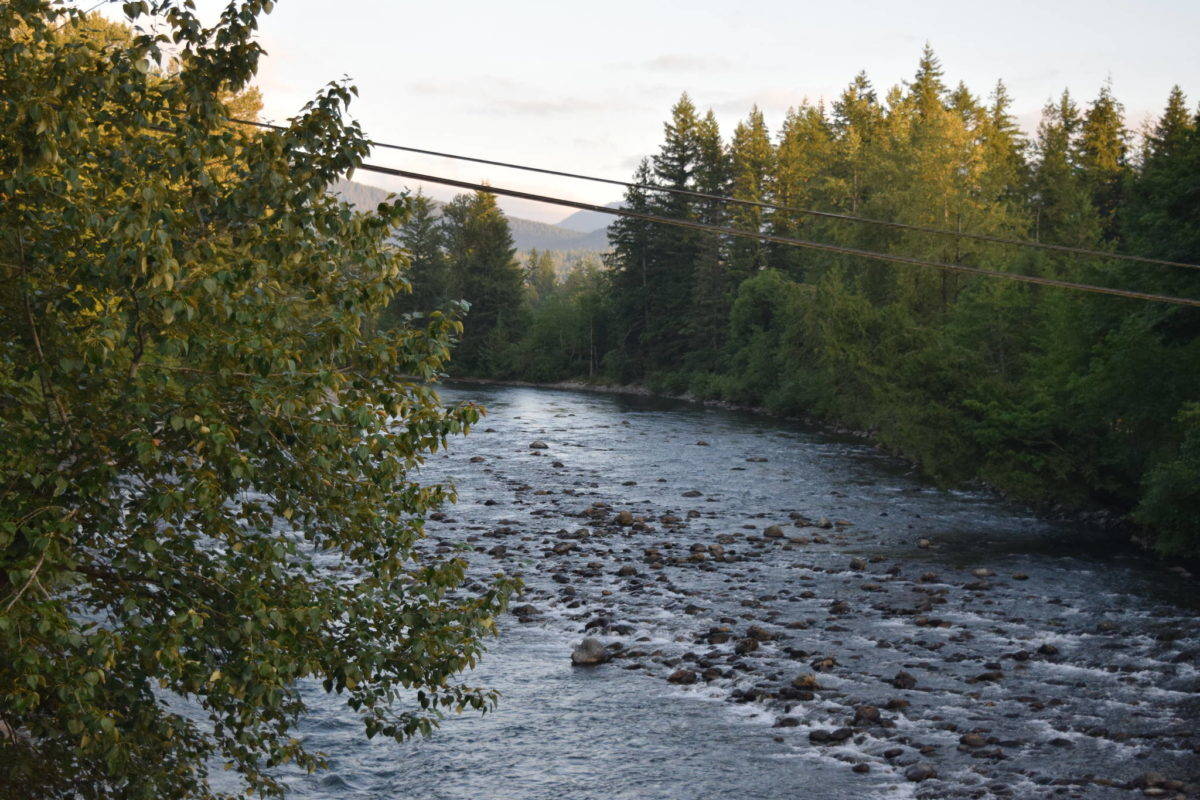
(527, 234)
(589, 221)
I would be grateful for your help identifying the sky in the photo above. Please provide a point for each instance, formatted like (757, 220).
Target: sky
(586, 87)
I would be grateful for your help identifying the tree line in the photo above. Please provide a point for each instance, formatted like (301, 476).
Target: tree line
(1051, 396)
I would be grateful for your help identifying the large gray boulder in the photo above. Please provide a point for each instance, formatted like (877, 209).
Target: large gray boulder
(589, 653)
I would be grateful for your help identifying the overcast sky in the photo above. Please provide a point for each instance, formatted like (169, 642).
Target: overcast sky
(586, 87)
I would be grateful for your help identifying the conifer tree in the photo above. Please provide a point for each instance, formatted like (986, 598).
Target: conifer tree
(540, 275)
(802, 159)
(422, 238)
(632, 241)
(753, 163)
(1064, 213)
(484, 272)
(713, 285)
(1104, 157)
(671, 273)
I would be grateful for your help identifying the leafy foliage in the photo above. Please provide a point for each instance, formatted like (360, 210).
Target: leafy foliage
(206, 445)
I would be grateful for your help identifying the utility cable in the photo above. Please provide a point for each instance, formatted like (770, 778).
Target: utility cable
(785, 240)
(983, 237)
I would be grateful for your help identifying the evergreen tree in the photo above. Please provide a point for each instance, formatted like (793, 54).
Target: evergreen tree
(1103, 157)
(541, 277)
(927, 91)
(632, 241)
(1162, 215)
(422, 238)
(1064, 213)
(1006, 172)
(713, 285)
(484, 272)
(856, 116)
(753, 160)
(802, 159)
(671, 272)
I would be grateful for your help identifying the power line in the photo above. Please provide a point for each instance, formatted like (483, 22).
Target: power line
(82, 14)
(983, 237)
(787, 240)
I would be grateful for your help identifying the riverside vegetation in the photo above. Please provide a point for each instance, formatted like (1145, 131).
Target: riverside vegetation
(1052, 396)
(205, 444)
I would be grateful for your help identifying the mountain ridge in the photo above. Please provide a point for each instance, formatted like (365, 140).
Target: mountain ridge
(527, 234)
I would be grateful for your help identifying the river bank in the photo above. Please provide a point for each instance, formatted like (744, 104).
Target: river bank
(1112, 522)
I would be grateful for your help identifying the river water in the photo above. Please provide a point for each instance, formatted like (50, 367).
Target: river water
(1072, 671)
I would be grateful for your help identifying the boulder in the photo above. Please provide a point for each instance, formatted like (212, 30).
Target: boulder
(682, 676)
(972, 740)
(807, 681)
(820, 736)
(920, 772)
(538, 445)
(904, 680)
(589, 653)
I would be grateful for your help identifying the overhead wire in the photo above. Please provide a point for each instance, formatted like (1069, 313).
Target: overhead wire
(984, 237)
(785, 240)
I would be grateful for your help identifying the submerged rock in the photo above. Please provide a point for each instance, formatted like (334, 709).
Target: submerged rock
(920, 772)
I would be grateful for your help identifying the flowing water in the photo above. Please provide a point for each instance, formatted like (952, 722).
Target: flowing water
(1048, 660)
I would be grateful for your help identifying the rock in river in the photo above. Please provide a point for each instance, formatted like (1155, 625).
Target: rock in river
(920, 772)
(588, 653)
(684, 676)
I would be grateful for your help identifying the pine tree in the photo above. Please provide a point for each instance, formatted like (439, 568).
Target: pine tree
(541, 277)
(422, 238)
(927, 91)
(632, 241)
(856, 116)
(753, 160)
(712, 285)
(800, 180)
(1162, 216)
(1006, 172)
(1104, 157)
(670, 273)
(484, 272)
(1063, 208)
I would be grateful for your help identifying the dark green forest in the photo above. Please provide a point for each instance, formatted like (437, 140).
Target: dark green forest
(1054, 397)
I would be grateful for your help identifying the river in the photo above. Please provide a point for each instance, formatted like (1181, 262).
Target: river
(1046, 660)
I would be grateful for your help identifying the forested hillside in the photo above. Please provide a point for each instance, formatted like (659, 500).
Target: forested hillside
(1053, 396)
(527, 234)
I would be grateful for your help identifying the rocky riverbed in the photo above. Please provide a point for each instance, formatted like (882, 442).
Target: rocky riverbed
(721, 605)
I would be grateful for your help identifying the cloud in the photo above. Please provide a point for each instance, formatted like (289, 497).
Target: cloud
(544, 106)
(767, 100)
(684, 62)
(498, 96)
(466, 87)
